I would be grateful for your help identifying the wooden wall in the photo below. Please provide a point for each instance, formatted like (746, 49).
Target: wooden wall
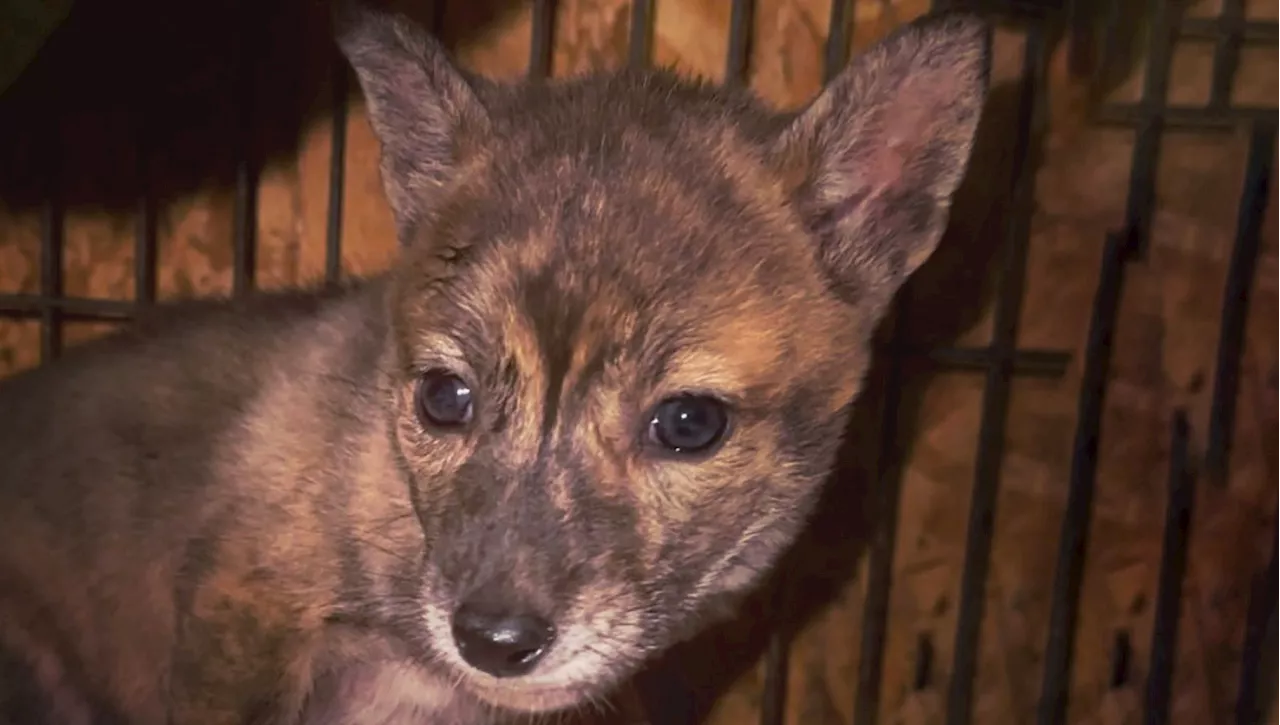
(169, 84)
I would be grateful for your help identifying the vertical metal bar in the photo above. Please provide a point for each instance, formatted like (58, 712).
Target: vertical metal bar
(837, 50)
(641, 33)
(1177, 531)
(1107, 48)
(995, 398)
(51, 241)
(1235, 299)
(436, 17)
(543, 34)
(1266, 692)
(922, 677)
(1226, 53)
(337, 170)
(1146, 149)
(888, 490)
(245, 223)
(1084, 463)
(245, 215)
(773, 701)
(144, 254)
(738, 59)
(1260, 626)
(1082, 48)
(1121, 654)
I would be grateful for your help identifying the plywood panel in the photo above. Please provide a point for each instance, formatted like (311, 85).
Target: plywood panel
(1163, 355)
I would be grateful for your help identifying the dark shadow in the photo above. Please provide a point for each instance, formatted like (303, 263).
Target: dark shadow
(194, 86)
(947, 296)
(951, 292)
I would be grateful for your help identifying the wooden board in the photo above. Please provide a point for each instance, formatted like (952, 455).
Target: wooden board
(1163, 354)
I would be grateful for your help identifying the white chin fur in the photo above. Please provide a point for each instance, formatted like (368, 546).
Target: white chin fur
(585, 661)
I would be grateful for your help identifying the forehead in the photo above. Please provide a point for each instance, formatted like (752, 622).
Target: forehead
(636, 168)
(555, 300)
(608, 222)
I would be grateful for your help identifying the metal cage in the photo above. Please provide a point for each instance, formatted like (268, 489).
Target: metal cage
(1088, 28)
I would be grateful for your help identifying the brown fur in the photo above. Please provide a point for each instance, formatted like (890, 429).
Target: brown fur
(234, 514)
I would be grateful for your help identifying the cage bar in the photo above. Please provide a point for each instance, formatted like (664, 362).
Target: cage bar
(836, 50)
(1121, 660)
(337, 169)
(922, 676)
(773, 700)
(641, 33)
(999, 361)
(738, 58)
(1229, 30)
(245, 215)
(1023, 10)
(1235, 299)
(51, 235)
(145, 260)
(1031, 363)
(1173, 564)
(543, 31)
(1232, 28)
(1082, 52)
(1110, 22)
(1181, 118)
(76, 309)
(1258, 678)
(1146, 149)
(883, 540)
(995, 398)
(1069, 569)
(1226, 53)
(435, 15)
(246, 212)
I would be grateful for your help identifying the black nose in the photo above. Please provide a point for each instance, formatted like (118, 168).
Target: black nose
(501, 643)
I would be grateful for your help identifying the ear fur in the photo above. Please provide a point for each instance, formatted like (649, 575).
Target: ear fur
(876, 158)
(418, 102)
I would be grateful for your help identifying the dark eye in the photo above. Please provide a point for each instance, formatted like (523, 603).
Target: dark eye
(443, 400)
(688, 423)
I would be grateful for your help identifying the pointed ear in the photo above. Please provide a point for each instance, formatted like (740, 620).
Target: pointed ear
(875, 159)
(419, 105)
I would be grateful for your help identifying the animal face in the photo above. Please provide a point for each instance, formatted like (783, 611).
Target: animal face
(630, 316)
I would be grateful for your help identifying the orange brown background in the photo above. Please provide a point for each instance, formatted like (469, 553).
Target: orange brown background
(120, 78)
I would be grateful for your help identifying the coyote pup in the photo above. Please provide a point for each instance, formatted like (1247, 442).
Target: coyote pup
(589, 405)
